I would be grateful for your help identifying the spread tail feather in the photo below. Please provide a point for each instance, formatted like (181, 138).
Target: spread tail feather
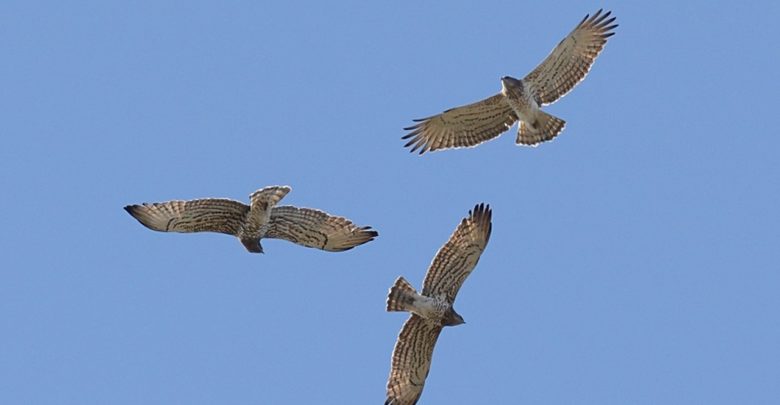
(544, 128)
(401, 296)
(268, 197)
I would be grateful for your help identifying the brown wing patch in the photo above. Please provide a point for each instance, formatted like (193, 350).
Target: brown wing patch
(411, 361)
(317, 229)
(571, 60)
(204, 215)
(458, 257)
(460, 127)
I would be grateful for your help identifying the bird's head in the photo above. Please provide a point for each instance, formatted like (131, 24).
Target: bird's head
(252, 245)
(511, 82)
(452, 318)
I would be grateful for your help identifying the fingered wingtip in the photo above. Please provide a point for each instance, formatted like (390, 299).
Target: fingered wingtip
(132, 209)
(481, 210)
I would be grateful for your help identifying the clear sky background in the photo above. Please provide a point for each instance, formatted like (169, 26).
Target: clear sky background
(634, 260)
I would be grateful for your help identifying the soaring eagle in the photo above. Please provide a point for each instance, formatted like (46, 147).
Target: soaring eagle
(519, 99)
(250, 223)
(432, 309)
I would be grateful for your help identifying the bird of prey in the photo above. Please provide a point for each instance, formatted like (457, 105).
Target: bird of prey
(250, 223)
(519, 100)
(433, 309)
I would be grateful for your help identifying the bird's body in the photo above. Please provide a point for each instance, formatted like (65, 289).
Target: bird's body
(262, 218)
(403, 297)
(432, 308)
(520, 99)
(536, 126)
(258, 219)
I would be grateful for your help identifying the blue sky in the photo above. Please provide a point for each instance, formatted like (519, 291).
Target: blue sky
(634, 260)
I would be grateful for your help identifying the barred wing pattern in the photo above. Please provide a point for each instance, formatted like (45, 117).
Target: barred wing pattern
(317, 229)
(458, 257)
(571, 60)
(459, 127)
(204, 215)
(411, 360)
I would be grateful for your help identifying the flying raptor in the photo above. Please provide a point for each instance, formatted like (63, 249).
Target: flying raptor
(519, 100)
(250, 223)
(432, 310)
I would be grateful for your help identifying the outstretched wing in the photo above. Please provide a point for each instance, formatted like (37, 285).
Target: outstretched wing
(317, 229)
(459, 127)
(571, 60)
(206, 215)
(458, 257)
(411, 360)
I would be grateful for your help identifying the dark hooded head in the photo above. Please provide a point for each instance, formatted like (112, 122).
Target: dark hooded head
(452, 318)
(509, 83)
(253, 245)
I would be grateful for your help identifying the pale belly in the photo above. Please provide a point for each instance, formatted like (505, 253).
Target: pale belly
(525, 108)
(429, 308)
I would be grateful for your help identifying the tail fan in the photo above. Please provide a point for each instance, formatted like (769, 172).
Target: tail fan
(401, 296)
(544, 128)
(268, 197)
